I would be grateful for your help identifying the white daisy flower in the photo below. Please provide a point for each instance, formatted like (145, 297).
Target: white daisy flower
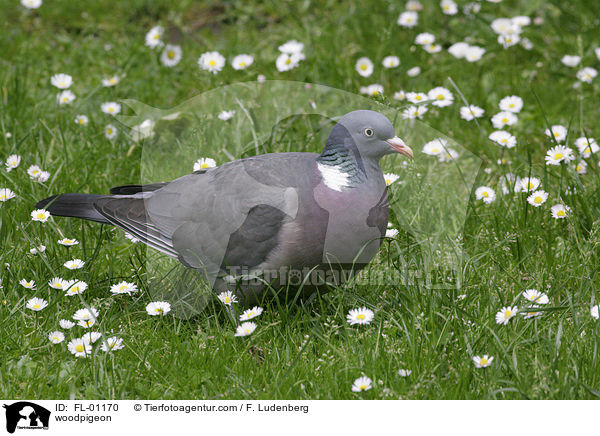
(483, 361)
(158, 308)
(413, 112)
(559, 211)
(86, 317)
(440, 97)
(449, 7)
(245, 329)
(226, 115)
(448, 155)
(211, 61)
(40, 215)
(399, 95)
(241, 62)
(61, 81)
(537, 198)
(74, 264)
(68, 242)
(503, 138)
(417, 97)
(594, 311)
(425, 39)
(390, 61)
(251, 313)
(36, 304)
(361, 315)
(291, 47)
(362, 384)
(507, 40)
(458, 49)
(154, 37)
(531, 312)
(112, 344)
(432, 48)
(404, 372)
(38, 249)
(391, 233)
(171, 55)
(473, 53)
(505, 314)
(124, 288)
(571, 61)
(56, 337)
(535, 296)
(364, 66)
(503, 25)
(80, 347)
(504, 118)
(107, 82)
(31, 4)
(27, 284)
(471, 112)
(66, 324)
(486, 194)
(558, 132)
(111, 108)
(408, 19)
(375, 89)
(586, 146)
(61, 284)
(521, 20)
(6, 194)
(204, 163)
(132, 238)
(82, 120)
(435, 147)
(76, 288)
(512, 103)
(286, 62)
(587, 74)
(227, 298)
(65, 97)
(390, 178)
(581, 167)
(413, 72)
(91, 337)
(559, 154)
(528, 184)
(110, 131)
(12, 162)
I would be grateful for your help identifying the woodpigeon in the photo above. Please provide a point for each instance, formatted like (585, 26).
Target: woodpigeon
(272, 221)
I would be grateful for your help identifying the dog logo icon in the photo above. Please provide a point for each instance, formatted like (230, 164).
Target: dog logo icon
(26, 415)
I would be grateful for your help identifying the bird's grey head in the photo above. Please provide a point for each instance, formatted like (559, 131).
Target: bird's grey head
(366, 134)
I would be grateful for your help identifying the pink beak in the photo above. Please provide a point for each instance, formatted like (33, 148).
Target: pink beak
(400, 147)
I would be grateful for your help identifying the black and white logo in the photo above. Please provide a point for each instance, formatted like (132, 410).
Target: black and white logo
(26, 415)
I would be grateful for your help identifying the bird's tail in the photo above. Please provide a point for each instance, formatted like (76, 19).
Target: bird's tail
(74, 205)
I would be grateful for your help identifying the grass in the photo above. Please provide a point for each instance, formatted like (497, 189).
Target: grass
(306, 350)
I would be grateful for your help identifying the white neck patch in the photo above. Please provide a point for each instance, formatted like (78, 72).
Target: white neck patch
(334, 177)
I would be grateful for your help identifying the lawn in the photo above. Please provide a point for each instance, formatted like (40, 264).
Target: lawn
(471, 236)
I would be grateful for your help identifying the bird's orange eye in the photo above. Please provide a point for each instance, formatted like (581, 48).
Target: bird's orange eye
(368, 132)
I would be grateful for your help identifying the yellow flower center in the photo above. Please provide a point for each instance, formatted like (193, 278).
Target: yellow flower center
(375, 92)
(158, 310)
(288, 61)
(227, 300)
(79, 348)
(485, 194)
(587, 150)
(361, 316)
(156, 36)
(363, 67)
(363, 387)
(55, 338)
(505, 120)
(558, 156)
(530, 185)
(212, 63)
(171, 54)
(483, 361)
(561, 213)
(440, 97)
(511, 105)
(58, 285)
(109, 131)
(242, 64)
(556, 134)
(123, 287)
(507, 313)
(388, 182)
(504, 141)
(579, 167)
(436, 150)
(2, 197)
(418, 97)
(111, 109)
(112, 80)
(204, 165)
(41, 216)
(36, 306)
(538, 200)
